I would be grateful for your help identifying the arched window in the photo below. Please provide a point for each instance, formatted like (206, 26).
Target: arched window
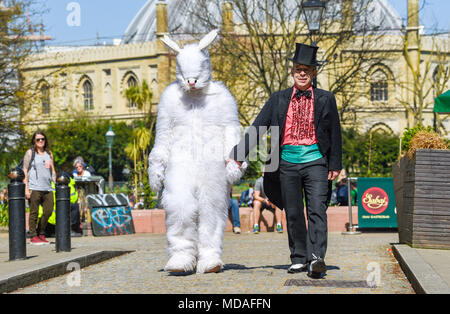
(381, 128)
(379, 86)
(88, 98)
(131, 82)
(45, 99)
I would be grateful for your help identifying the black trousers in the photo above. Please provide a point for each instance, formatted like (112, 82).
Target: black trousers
(311, 180)
(75, 217)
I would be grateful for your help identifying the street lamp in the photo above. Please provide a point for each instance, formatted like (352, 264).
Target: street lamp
(109, 141)
(313, 10)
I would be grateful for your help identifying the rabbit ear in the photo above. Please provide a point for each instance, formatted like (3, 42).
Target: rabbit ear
(208, 39)
(171, 44)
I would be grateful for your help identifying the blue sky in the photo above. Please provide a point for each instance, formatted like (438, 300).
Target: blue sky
(108, 19)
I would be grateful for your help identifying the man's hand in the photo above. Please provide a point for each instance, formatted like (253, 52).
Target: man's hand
(332, 174)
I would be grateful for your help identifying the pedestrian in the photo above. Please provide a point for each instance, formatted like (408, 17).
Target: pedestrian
(80, 170)
(75, 215)
(5, 196)
(354, 193)
(342, 192)
(131, 200)
(310, 151)
(234, 206)
(39, 170)
(261, 202)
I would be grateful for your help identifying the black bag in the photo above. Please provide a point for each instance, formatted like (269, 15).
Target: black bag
(20, 164)
(91, 170)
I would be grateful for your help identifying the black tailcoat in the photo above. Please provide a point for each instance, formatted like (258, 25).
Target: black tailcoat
(273, 114)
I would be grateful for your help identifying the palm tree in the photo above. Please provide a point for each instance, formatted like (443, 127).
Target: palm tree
(140, 95)
(137, 150)
(141, 137)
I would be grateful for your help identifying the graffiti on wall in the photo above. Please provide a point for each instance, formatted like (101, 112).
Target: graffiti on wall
(111, 214)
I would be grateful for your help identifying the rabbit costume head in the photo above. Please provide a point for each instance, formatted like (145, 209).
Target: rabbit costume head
(193, 63)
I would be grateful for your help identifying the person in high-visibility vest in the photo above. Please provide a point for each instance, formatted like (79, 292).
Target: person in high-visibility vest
(75, 222)
(74, 210)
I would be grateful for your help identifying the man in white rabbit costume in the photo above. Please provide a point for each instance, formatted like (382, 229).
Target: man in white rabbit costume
(197, 126)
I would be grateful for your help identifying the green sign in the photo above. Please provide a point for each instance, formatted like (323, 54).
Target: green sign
(442, 103)
(376, 203)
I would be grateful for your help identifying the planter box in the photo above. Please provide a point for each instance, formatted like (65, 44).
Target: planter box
(422, 194)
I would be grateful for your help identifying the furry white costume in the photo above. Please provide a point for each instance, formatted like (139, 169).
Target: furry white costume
(197, 126)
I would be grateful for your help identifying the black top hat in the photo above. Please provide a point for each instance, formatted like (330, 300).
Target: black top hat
(305, 55)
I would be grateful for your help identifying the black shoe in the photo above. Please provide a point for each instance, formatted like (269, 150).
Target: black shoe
(296, 268)
(317, 267)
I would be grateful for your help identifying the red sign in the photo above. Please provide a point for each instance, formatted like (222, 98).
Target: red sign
(375, 200)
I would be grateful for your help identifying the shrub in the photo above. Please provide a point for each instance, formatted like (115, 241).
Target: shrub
(426, 140)
(409, 134)
(4, 218)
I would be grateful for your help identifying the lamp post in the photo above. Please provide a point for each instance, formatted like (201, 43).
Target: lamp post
(313, 10)
(109, 141)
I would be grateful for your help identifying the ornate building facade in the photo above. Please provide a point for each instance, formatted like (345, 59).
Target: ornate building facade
(92, 80)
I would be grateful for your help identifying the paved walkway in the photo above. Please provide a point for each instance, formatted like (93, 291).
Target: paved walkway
(254, 264)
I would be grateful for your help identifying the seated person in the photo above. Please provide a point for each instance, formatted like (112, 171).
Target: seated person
(79, 169)
(260, 202)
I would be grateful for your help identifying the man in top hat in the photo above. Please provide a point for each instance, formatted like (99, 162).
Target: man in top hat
(310, 158)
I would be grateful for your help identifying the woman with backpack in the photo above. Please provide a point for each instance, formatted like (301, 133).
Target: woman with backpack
(39, 172)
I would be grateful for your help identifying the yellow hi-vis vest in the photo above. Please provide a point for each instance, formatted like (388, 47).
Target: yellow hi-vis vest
(73, 200)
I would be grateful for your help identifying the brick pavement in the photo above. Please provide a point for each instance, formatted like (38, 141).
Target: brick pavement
(254, 264)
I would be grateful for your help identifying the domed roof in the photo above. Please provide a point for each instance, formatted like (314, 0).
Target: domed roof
(377, 15)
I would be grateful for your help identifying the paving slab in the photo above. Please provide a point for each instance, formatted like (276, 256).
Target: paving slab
(254, 264)
(43, 262)
(428, 270)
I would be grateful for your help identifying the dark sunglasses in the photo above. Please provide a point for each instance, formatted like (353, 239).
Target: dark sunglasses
(42, 139)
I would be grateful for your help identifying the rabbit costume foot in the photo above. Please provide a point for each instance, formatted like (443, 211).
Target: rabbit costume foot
(205, 266)
(179, 263)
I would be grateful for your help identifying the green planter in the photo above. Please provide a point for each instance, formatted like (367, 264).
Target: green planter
(422, 195)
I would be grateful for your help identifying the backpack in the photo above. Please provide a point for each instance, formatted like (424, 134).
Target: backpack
(33, 154)
(342, 195)
(246, 198)
(20, 164)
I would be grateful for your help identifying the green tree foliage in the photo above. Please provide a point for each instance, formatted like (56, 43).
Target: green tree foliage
(370, 154)
(4, 217)
(86, 138)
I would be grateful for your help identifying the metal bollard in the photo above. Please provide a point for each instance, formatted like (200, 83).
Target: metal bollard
(350, 209)
(62, 197)
(16, 202)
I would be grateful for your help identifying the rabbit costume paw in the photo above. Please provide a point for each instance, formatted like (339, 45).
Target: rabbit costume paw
(155, 177)
(234, 173)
